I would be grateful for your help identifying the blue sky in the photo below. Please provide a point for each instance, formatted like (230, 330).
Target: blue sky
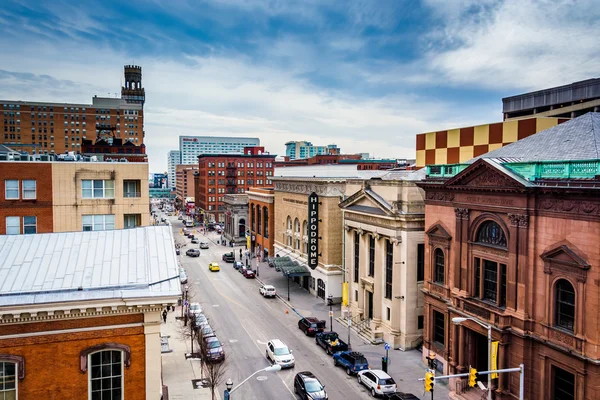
(366, 75)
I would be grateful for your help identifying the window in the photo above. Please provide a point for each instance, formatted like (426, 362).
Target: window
(266, 222)
(490, 233)
(289, 223)
(356, 255)
(97, 189)
(131, 188)
(258, 221)
(565, 305)
(13, 225)
(438, 273)
(29, 225)
(8, 381)
(11, 189)
(371, 255)
(420, 262)
(252, 217)
(106, 375)
(490, 281)
(389, 313)
(420, 322)
(389, 261)
(563, 384)
(439, 328)
(29, 189)
(356, 296)
(98, 222)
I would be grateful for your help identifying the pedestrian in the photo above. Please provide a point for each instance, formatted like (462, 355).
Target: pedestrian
(164, 314)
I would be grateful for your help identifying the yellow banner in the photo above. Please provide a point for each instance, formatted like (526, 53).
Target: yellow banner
(345, 293)
(494, 358)
(248, 242)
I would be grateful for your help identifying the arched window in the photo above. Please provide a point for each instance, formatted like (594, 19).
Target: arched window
(491, 233)
(266, 222)
(296, 234)
(252, 218)
(439, 264)
(297, 225)
(106, 374)
(258, 223)
(565, 305)
(305, 233)
(8, 380)
(289, 223)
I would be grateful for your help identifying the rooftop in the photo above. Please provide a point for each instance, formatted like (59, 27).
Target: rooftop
(128, 264)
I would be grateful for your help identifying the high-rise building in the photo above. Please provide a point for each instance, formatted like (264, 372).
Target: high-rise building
(304, 149)
(191, 147)
(174, 159)
(52, 128)
(220, 174)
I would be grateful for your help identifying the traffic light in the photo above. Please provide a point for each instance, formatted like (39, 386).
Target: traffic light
(472, 377)
(429, 381)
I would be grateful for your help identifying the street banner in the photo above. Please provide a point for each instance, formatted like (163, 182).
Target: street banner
(345, 293)
(494, 359)
(313, 230)
(248, 242)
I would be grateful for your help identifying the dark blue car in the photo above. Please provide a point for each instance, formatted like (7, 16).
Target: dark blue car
(352, 361)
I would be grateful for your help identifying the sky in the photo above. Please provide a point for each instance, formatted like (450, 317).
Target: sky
(365, 75)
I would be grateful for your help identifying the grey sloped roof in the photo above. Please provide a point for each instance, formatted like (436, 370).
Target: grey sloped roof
(577, 139)
(76, 266)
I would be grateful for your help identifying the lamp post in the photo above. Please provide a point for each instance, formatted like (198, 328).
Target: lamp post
(460, 320)
(229, 383)
(330, 304)
(185, 304)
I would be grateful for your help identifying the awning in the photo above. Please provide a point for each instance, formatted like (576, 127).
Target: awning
(290, 268)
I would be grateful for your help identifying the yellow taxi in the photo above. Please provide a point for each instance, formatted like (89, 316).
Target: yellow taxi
(213, 266)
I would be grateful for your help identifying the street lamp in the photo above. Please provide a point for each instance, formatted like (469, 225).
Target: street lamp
(229, 383)
(330, 304)
(460, 320)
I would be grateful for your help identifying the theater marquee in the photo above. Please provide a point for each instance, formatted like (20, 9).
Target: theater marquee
(313, 230)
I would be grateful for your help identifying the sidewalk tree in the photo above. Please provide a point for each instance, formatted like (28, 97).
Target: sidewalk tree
(215, 371)
(188, 333)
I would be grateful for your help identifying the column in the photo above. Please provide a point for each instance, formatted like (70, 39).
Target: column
(400, 281)
(379, 278)
(460, 250)
(361, 271)
(153, 354)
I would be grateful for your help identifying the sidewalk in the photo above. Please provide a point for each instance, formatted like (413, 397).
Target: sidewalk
(178, 372)
(405, 366)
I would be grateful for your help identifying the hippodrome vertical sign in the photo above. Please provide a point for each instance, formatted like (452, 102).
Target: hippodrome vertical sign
(313, 230)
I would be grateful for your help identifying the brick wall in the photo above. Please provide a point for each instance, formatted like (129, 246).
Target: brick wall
(41, 207)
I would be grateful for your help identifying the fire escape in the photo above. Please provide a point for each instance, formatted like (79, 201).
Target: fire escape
(231, 174)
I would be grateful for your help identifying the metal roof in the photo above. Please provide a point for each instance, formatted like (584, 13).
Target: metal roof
(577, 139)
(78, 266)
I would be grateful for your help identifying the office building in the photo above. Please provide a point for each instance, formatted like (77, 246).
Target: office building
(191, 147)
(174, 159)
(71, 196)
(185, 183)
(221, 174)
(53, 128)
(303, 149)
(567, 101)
(511, 243)
(81, 313)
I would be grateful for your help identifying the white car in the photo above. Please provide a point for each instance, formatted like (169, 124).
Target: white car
(267, 291)
(182, 276)
(194, 309)
(278, 353)
(377, 381)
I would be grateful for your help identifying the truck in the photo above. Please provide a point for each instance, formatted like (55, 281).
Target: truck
(331, 342)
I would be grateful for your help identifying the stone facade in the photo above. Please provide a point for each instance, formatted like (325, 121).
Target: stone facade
(388, 214)
(236, 217)
(291, 227)
(523, 258)
(262, 226)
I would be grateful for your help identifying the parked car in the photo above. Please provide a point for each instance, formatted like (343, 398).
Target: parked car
(182, 276)
(400, 396)
(311, 326)
(193, 253)
(213, 266)
(271, 261)
(352, 361)
(267, 291)
(195, 240)
(242, 269)
(210, 226)
(377, 381)
(177, 251)
(205, 330)
(229, 257)
(215, 349)
(237, 265)
(331, 342)
(307, 386)
(249, 274)
(204, 245)
(201, 321)
(278, 353)
(180, 217)
(194, 309)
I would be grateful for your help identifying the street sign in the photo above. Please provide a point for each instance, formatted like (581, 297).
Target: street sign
(387, 346)
(331, 313)
(185, 303)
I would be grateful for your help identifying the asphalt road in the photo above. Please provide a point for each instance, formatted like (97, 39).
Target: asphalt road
(244, 322)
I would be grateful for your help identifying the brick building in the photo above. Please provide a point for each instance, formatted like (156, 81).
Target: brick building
(462, 144)
(220, 174)
(66, 333)
(334, 159)
(261, 203)
(71, 196)
(185, 182)
(53, 128)
(511, 241)
(115, 150)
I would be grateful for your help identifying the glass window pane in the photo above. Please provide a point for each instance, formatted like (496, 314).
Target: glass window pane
(109, 193)
(96, 372)
(29, 220)
(98, 193)
(98, 184)
(98, 219)
(13, 226)
(109, 184)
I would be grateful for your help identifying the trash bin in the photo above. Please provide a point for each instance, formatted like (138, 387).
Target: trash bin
(384, 364)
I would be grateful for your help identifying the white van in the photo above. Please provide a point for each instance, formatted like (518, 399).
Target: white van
(189, 223)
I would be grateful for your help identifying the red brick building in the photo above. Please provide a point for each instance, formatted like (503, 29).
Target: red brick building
(329, 159)
(261, 205)
(25, 198)
(515, 246)
(115, 150)
(56, 343)
(220, 174)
